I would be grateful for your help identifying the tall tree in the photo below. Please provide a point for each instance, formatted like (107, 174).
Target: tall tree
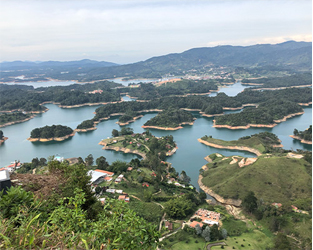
(89, 160)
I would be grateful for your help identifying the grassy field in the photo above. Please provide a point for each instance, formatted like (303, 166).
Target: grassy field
(275, 179)
(253, 240)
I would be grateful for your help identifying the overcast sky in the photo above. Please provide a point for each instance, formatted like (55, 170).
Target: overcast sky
(133, 30)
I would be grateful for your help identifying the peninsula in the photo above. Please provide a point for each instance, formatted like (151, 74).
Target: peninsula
(304, 136)
(141, 144)
(2, 138)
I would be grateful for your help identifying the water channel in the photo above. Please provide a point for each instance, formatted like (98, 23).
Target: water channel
(189, 156)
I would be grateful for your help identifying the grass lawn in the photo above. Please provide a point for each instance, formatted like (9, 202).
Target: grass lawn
(256, 239)
(192, 244)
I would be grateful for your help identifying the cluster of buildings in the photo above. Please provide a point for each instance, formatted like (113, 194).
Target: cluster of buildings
(207, 217)
(97, 91)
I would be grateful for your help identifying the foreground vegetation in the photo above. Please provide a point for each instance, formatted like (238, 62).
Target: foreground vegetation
(70, 217)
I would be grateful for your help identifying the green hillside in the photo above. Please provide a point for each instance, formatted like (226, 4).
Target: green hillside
(274, 178)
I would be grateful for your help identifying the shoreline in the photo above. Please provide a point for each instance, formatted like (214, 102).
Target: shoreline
(242, 106)
(82, 130)
(300, 86)
(217, 197)
(34, 113)
(51, 139)
(168, 128)
(124, 150)
(300, 139)
(258, 125)
(130, 121)
(240, 148)
(3, 140)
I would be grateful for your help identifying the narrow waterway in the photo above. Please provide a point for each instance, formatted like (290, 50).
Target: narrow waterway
(189, 156)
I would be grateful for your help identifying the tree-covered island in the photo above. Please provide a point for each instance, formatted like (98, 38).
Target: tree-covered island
(51, 133)
(304, 136)
(170, 119)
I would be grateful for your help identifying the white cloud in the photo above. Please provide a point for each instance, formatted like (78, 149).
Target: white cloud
(127, 31)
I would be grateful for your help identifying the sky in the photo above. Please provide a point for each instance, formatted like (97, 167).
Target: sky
(129, 31)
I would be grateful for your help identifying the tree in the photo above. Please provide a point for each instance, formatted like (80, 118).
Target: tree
(114, 132)
(102, 163)
(198, 229)
(89, 160)
(1, 134)
(35, 162)
(81, 161)
(202, 196)
(214, 233)
(184, 177)
(249, 202)
(224, 233)
(206, 233)
(282, 242)
(43, 161)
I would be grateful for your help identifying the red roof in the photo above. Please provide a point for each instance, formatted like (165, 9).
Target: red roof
(194, 223)
(145, 184)
(105, 172)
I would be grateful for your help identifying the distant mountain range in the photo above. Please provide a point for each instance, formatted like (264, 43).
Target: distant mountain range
(86, 63)
(289, 55)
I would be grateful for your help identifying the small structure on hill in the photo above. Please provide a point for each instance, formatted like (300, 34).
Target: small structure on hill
(5, 180)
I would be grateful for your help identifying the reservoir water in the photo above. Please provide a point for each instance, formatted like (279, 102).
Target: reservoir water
(189, 156)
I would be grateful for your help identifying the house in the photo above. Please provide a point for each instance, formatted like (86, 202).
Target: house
(110, 190)
(124, 198)
(194, 223)
(153, 174)
(208, 217)
(102, 200)
(168, 225)
(277, 205)
(119, 191)
(129, 169)
(96, 177)
(105, 172)
(145, 184)
(107, 178)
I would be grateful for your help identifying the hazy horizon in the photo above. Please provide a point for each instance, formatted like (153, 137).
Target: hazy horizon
(124, 32)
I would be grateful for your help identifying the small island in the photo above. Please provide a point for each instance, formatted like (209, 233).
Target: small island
(85, 126)
(140, 143)
(2, 138)
(51, 133)
(170, 119)
(304, 136)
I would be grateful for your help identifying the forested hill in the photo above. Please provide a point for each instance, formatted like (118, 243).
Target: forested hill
(289, 56)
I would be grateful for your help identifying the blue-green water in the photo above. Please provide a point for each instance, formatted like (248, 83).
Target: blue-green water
(189, 156)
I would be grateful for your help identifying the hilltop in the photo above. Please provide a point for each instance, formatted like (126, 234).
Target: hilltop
(288, 56)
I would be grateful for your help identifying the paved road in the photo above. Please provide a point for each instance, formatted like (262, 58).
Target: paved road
(215, 244)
